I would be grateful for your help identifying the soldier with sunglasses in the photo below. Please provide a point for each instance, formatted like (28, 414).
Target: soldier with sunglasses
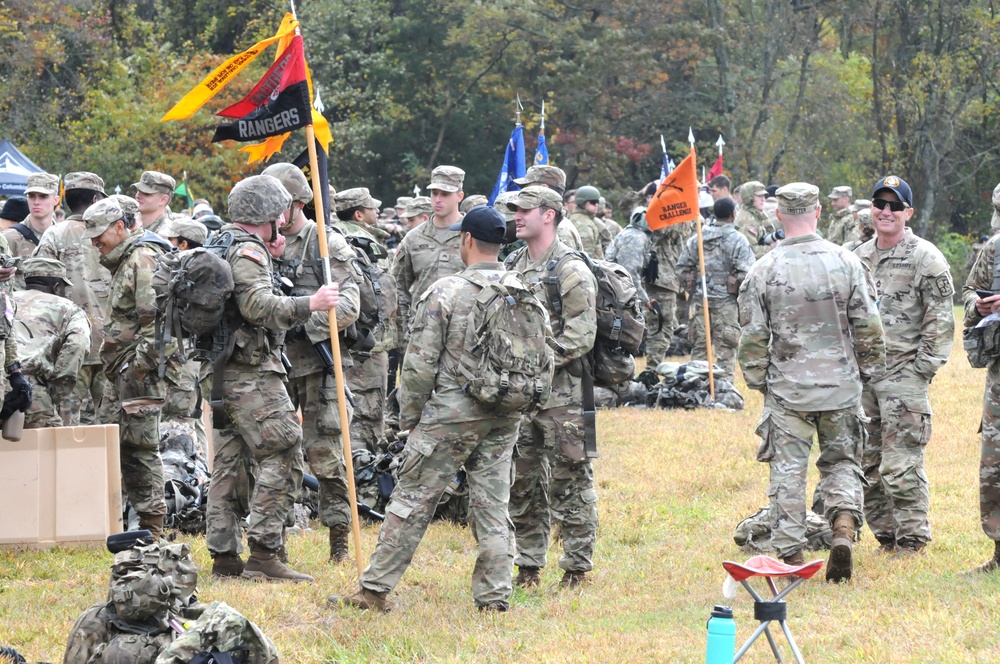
(915, 302)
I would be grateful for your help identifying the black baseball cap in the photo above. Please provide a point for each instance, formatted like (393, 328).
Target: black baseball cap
(896, 185)
(483, 223)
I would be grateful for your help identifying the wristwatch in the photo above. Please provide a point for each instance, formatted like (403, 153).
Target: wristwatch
(11, 368)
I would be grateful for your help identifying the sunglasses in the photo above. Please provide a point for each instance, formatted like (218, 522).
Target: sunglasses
(895, 206)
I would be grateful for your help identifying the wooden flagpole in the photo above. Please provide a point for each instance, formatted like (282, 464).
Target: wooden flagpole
(704, 295)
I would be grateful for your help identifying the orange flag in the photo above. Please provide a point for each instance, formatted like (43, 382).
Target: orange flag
(676, 200)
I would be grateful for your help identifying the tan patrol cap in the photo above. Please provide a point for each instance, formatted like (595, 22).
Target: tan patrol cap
(500, 204)
(447, 178)
(84, 180)
(797, 198)
(840, 192)
(357, 197)
(43, 267)
(188, 229)
(861, 204)
(129, 205)
(154, 182)
(402, 201)
(99, 217)
(550, 176)
(418, 206)
(530, 198)
(42, 183)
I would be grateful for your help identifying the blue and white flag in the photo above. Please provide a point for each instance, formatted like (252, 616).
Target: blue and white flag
(513, 164)
(542, 151)
(667, 164)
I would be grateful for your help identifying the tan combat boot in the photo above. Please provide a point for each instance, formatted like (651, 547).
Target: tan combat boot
(363, 599)
(528, 577)
(991, 565)
(263, 565)
(338, 544)
(227, 565)
(153, 523)
(840, 566)
(573, 579)
(796, 559)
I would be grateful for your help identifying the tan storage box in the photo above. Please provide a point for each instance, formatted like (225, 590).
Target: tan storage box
(60, 486)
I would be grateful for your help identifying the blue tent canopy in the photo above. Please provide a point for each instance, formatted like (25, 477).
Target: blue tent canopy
(14, 170)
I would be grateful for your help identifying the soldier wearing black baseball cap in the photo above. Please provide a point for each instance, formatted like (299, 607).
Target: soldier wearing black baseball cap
(484, 224)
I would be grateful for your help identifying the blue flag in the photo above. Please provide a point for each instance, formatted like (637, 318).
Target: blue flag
(513, 164)
(541, 152)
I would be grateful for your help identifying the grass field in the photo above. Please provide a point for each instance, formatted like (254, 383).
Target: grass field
(672, 487)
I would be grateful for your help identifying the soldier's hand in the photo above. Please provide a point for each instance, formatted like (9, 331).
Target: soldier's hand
(276, 247)
(989, 305)
(651, 305)
(326, 298)
(7, 273)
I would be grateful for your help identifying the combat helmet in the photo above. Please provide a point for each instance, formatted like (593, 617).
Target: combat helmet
(293, 179)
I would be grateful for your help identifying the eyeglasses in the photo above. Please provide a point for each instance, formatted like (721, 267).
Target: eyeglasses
(895, 206)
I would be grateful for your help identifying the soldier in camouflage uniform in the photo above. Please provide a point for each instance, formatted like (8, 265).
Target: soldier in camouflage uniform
(594, 234)
(841, 226)
(554, 178)
(866, 229)
(449, 430)
(986, 277)
(54, 337)
(664, 288)
(43, 199)
(632, 249)
(604, 215)
(129, 354)
(418, 210)
(90, 286)
(554, 478)
(430, 251)
(153, 192)
(728, 257)
(261, 422)
(311, 384)
(752, 221)
(915, 302)
(811, 335)
(368, 378)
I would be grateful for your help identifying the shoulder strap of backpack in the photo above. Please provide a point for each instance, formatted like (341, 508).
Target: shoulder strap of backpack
(996, 268)
(553, 281)
(26, 233)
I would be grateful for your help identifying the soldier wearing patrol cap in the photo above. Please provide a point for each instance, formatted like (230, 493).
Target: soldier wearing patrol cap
(915, 302)
(259, 423)
(43, 199)
(90, 287)
(185, 233)
(129, 355)
(554, 478)
(554, 178)
(751, 220)
(430, 251)
(811, 335)
(153, 192)
(310, 379)
(417, 211)
(401, 203)
(841, 220)
(54, 336)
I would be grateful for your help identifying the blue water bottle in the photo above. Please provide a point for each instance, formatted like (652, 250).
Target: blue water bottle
(721, 636)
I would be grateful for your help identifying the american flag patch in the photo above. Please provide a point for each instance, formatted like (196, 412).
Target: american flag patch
(254, 254)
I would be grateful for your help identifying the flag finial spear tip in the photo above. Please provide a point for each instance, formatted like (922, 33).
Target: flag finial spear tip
(691, 136)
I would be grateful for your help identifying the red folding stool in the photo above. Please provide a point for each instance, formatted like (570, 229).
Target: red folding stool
(774, 609)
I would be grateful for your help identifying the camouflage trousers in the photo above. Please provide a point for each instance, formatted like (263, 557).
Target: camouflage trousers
(989, 460)
(91, 401)
(658, 339)
(135, 405)
(368, 420)
(786, 439)
(322, 444)
(897, 497)
(433, 455)
(550, 484)
(263, 428)
(183, 403)
(43, 412)
(725, 320)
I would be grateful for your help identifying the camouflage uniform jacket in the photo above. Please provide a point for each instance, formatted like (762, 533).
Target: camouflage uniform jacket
(728, 256)
(10, 354)
(389, 299)
(255, 310)
(353, 229)
(568, 235)
(841, 223)
(667, 245)
(915, 301)
(431, 383)
(811, 330)
(160, 224)
(55, 338)
(631, 249)
(613, 228)
(594, 235)
(755, 224)
(575, 330)
(980, 278)
(20, 245)
(129, 324)
(91, 280)
(301, 264)
(426, 254)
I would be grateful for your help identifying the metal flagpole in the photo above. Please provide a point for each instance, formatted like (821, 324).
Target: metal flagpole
(704, 296)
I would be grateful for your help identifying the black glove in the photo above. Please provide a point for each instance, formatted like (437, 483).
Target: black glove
(19, 397)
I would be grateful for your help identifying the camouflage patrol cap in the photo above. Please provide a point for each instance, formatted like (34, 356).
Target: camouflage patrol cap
(865, 218)
(358, 197)
(100, 216)
(500, 204)
(188, 229)
(84, 180)
(530, 198)
(258, 200)
(550, 176)
(293, 179)
(447, 178)
(418, 206)
(129, 206)
(861, 204)
(840, 192)
(154, 182)
(798, 198)
(43, 267)
(470, 202)
(42, 183)
(402, 201)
